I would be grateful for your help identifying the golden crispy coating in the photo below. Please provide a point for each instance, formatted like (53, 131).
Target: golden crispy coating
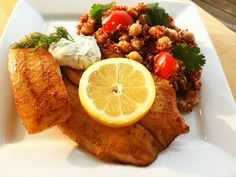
(164, 120)
(72, 74)
(40, 95)
(132, 144)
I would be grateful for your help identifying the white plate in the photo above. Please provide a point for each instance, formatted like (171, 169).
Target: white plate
(208, 150)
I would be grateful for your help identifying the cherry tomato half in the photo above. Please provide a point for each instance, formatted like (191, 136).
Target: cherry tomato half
(116, 17)
(165, 65)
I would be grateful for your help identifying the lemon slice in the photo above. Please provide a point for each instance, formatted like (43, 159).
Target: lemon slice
(117, 92)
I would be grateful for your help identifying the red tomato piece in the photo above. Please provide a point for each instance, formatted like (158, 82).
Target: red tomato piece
(165, 65)
(116, 17)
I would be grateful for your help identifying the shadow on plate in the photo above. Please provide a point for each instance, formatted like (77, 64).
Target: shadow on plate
(82, 158)
(14, 130)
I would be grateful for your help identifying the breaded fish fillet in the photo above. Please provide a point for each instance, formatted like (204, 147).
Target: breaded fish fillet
(132, 144)
(164, 120)
(72, 74)
(40, 95)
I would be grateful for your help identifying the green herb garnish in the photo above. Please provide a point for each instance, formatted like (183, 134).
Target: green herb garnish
(191, 56)
(156, 15)
(97, 11)
(40, 40)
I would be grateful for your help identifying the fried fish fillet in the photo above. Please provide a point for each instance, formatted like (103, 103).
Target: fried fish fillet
(40, 95)
(164, 120)
(132, 144)
(72, 74)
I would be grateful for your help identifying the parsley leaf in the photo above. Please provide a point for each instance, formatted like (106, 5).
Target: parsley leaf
(191, 56)
(156, 15)
(97, 11)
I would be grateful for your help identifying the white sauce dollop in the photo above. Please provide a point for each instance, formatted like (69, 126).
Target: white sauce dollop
(78, 54)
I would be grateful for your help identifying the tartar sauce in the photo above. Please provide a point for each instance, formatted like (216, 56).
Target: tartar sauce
(78, 54)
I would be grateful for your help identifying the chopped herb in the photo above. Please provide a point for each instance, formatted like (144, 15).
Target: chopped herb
(191, 56)
(39, 40)
(97, 11)
(156, 15)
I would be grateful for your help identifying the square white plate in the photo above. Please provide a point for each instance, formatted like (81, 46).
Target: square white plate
(208, 150)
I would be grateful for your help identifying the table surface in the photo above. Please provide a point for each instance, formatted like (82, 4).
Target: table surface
(222, 37)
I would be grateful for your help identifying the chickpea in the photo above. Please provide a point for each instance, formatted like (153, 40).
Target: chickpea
(172, 34)
(132, 11)
(135, 56)
(163, 41)
(142, 19)
(188, 36)
(152, 32)
(135, 29)
(124, 46)
(87, 28)
(136, 44)
(124, 37)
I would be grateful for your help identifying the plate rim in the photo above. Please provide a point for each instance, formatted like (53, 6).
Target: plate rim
(229, 96)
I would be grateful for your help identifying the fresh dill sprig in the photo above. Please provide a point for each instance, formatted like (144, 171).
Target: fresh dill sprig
(39, 40)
